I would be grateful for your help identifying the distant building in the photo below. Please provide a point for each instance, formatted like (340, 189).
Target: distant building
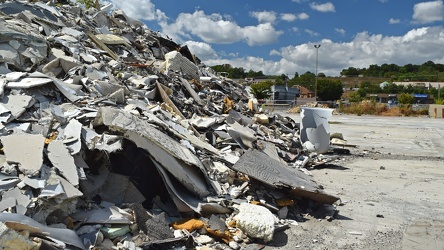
(427, 85)
(393, 98)
(284, 94)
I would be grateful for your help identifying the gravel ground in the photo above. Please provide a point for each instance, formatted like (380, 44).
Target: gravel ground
(391, 187)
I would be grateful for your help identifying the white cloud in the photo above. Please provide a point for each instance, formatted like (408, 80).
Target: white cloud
(394, 21)
(340, 31)
(325, 7)
(288, 17)
(203, 50)
(311, 32)
(428, 12)
(365, 49)
(303, 16)
(140, 10)
(295, 29)
(383, 1)
(274, 52)
(215, 29)
(291, 17)
(264, 16)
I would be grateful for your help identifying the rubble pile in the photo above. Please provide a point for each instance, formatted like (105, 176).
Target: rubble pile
(113, 136)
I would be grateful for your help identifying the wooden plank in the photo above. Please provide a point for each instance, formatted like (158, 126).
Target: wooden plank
(167, 100)
(103, 46)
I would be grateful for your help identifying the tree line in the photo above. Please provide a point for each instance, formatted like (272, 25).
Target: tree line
(332, 89)
(428, 71)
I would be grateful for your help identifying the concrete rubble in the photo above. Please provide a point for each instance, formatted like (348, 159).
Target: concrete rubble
(113, 136)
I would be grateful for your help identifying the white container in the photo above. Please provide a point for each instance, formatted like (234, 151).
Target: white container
(315, 130)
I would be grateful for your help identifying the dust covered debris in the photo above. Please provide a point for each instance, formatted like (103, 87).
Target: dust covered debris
(114, 136)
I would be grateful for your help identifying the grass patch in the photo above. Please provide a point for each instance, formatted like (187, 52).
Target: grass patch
(373, 108)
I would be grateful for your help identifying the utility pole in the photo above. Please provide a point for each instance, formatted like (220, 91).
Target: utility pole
(316, 76)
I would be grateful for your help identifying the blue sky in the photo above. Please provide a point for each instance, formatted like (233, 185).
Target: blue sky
(278, 37)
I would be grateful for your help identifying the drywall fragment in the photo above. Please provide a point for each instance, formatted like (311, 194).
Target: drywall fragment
(112, 39)
(179, 160)
(274, 173)
(313, 132)
(68, 90)
(3, 83)
(14, 76)
(22, 201)
(59, 65)
(71, 136)
(184, 200)
(124, 192)
(60, 157)
(20, 222)
(6, 203)
(107, 215)
(26, 150)
(255, 221)
(105, 142)
(28, 82)
(190, 90)
(34, 183)
(190, 176)
(261, 119)
(72, 32)
(69, 190)
(202, 122)
(7, 181)
(17, 104)
(244, 136)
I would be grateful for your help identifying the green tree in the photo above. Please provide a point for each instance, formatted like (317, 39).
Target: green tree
(329, 90)
(405, 98)
(355, 97)
(261, 90)
(88, 3)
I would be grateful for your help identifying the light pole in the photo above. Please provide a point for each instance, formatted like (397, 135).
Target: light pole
(316, 76)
